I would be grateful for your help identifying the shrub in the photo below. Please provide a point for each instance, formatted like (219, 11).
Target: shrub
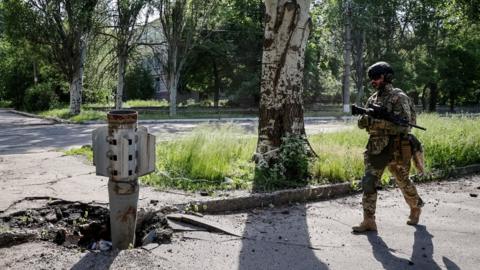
(40, 97)
(139, 84)
(289, 169)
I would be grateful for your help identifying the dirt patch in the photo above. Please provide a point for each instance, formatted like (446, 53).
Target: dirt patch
(78, 225)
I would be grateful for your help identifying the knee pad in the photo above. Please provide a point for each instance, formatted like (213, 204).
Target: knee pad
(369, 182)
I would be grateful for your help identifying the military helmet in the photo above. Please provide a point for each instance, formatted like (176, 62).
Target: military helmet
(380, 68)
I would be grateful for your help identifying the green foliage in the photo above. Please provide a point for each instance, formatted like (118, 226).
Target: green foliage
(40, 97)
(219, 157)
(15, 73)
(146, 103)
(85, 150)
(450, 141)
(210, 157)
(340, 156)
(139, 83)
(84, 115)
(289, 169)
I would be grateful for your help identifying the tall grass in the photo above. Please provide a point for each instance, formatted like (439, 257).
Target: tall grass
(211, 157)
(218, 157)
(450, 141)
(85, 115)
(146, 103)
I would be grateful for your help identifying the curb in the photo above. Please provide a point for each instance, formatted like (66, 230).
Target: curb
(225, 120)
(276, 198)
(55, 119)
(461, 171)
(298, 195)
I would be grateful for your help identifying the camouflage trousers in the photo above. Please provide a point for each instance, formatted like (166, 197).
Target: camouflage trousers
(375, 165)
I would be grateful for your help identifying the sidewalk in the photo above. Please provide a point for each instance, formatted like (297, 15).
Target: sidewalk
(299, 235)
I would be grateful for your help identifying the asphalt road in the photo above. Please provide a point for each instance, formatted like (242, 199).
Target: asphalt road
(20, 134)
(313, 235)
(304, 236)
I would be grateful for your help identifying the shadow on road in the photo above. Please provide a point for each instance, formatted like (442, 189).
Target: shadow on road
(96, 260)
(422, 252)
(278, 242)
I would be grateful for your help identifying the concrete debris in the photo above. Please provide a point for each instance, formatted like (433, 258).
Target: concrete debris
(210, 226)
(12, 238)
(78, 225)
(101, 245)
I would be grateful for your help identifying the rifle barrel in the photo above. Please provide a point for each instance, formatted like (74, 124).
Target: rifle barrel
(419, 127)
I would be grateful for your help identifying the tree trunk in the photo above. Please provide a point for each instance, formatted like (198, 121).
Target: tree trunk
(76, 82)
(122, 66)
(76, 93)
(347, 51)
(172, 86)
(452, 101)
(35, 73)
(281, 105)
(359, 66)
(172, 78)
(433, 97)
(217, 84)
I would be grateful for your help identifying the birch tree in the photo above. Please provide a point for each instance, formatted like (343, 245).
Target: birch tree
(287, 27)
(62, 26)
(128, 30)
(181, 22)
(347, 50)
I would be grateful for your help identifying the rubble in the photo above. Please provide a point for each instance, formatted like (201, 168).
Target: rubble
(77, 225)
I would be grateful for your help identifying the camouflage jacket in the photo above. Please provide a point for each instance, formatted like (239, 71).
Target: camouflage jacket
(396, 102)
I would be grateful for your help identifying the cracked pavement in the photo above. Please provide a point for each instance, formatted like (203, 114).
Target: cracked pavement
(314, 235)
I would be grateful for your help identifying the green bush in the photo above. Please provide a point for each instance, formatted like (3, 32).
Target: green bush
(289, 169)
(139, 84)
(40, 97)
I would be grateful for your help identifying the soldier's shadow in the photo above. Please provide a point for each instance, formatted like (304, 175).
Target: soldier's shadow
(422, 252)
(273, 240)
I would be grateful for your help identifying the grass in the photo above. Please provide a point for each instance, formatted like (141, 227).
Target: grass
(85, 115)
(5, 104)
(211, 157)
(219, 157)
(82, 151)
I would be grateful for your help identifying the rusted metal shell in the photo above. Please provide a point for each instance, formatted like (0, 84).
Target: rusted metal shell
(122, 117)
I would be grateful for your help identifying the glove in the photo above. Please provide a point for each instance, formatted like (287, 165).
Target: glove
(364, 121)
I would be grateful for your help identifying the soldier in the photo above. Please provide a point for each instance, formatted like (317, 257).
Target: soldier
(389, 145)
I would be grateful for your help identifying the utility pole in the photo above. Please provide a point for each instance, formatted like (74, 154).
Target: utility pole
(346, 57)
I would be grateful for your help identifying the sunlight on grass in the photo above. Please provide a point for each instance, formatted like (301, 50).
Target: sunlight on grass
(210, 157)
(146, 103)
(219, 156)
(85, 115)
(82, 151)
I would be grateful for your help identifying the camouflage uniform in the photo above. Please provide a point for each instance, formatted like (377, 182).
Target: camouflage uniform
(388, 146)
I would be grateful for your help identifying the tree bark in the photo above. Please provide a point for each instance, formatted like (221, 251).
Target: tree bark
(433, 97)
(122, 66)
(346, 58)
(76, 82)
(172, 78)
(281, 105)
(217, 84)
(76, 93)
(359, 65)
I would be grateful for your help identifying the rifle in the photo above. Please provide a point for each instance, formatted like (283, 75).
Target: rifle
(380, 112)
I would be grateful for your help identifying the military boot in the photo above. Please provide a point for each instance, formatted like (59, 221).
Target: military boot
(414, 216)
(368, 224)
(419, 162)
